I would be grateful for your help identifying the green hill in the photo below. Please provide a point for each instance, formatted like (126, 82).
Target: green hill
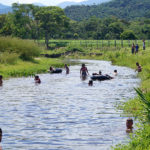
(123, 9)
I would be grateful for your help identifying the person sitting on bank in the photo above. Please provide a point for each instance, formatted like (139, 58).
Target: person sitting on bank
(1, 79)
(37, 79)
(139, 68)
(90, 83)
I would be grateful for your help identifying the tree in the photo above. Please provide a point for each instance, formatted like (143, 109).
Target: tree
(52, 20)
(128, 35)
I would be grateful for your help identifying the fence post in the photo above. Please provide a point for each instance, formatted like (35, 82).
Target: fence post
(129, 43)
(122, 43)
(115, 43)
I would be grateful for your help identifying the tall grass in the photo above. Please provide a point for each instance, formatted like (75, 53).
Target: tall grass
(25, 49)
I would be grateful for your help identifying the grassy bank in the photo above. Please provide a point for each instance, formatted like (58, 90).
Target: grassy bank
(22, 58)
(26, 68)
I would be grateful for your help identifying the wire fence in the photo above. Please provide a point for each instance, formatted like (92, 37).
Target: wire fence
(98, 44)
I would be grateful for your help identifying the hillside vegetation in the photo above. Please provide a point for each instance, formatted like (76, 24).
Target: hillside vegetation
(123, 9)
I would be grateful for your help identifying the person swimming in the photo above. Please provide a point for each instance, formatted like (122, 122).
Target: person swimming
(90, 83)
(115, 72)
(67, 69)
(84, 72)
(37, 79)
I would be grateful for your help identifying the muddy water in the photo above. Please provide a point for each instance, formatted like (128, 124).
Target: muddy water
(63, 112)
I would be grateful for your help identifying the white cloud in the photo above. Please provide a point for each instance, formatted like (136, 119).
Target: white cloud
(45, 2)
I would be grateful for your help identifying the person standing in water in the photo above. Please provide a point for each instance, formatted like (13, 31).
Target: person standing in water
(84, 72)
(67, 69)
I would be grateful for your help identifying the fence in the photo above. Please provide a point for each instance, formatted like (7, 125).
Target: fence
(98, 44)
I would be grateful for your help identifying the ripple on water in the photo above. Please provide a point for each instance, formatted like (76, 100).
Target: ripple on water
(63, 112)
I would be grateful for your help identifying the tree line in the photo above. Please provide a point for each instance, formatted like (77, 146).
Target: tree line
(32, 22)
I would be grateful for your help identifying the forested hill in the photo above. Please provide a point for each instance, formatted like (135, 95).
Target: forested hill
(124, 9)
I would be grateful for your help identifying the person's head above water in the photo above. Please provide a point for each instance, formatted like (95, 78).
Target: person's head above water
(115, 71)
(36, 77)
(90, 83)
(100, 73)
(1, 77)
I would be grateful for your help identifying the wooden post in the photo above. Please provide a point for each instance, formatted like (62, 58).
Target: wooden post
(129, 43)
(115, 44)
(122, 43)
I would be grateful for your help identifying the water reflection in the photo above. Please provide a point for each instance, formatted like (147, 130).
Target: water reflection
(63, 112)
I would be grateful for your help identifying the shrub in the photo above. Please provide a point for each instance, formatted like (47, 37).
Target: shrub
(26, 49)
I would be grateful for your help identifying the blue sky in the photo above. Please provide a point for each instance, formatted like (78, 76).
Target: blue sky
(45, 2)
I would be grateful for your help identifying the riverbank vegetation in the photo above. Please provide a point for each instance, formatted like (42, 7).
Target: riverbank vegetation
(21, 58)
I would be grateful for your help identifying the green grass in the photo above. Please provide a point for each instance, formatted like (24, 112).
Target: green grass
(24, 68)
(96, 44)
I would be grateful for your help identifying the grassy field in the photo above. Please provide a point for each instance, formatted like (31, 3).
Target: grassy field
(97, 44)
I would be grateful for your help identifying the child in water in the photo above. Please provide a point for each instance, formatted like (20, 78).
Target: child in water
(129, 125)
(139, 68)
(90, 83)
(1, 81)
(115, 72)
(67, 69)
(37, 79)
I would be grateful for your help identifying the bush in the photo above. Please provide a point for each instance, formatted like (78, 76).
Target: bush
(7, 58)
(26, 49)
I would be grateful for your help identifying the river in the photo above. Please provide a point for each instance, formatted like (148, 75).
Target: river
(63, 112)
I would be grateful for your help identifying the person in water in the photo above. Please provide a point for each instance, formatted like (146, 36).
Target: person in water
(100, 73)
(1, 133)
(1, 79)
(51, 69)
(139, 68)
(90, 83)
(67, 69)
(37, 79)
(129, 125)
(115, 72)
(84, 71)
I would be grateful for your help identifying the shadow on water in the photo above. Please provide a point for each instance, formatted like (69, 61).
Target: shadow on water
(63, 112)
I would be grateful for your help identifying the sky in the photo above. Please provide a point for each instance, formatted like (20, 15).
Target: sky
(45, 2)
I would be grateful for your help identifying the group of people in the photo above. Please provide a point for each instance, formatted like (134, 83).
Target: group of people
(52, 70)
(135, 48)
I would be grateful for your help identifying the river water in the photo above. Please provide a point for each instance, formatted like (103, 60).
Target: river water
(63, 112)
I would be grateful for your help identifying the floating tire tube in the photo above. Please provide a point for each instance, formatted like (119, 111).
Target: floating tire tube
(101, 77)
(57, 70)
